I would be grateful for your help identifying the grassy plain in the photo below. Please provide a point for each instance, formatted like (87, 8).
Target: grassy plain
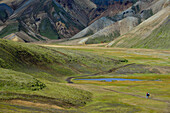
(52, 65)
(128, 96)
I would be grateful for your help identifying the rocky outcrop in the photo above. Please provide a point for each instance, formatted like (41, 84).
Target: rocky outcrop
(167, 3)
(79, 9)
(19, 11)
(94, 27)
(19, 37)
(1, 23)
(33, 14)
(25, 37)
(128, 24)
(63, 18)
(126, 21)
(109, 11)
(156, 6)
(13, 37)
(121, 27)
(145, 14)
(143, 31)
(5, 12)
(6, 8)
(123, 23)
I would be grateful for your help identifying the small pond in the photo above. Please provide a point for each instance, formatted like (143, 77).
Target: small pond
(111, 79)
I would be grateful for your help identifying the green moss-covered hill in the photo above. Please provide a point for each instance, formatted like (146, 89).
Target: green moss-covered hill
(36, 73)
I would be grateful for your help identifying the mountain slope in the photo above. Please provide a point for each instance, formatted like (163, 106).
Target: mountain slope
(122, 23)
(94, 27)
(34, 73)
(152, 33)
(32, 17)
(54, 19)
(113, 31)
(126, 30)
(158, 39)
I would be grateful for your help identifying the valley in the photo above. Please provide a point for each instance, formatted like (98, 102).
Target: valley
(84, 56)
(56, 95)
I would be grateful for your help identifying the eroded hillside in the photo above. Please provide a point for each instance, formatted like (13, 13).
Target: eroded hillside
(144, 25)
(43, 20)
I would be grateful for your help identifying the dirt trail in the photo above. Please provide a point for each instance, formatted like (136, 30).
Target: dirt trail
(136, 95)
(112, 70)
(104, 72)
(39, 99)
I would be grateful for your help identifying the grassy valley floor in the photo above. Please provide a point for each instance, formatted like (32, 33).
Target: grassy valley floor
(54, 94)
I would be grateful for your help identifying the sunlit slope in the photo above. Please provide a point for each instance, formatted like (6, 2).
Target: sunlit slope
(10, 79)
(31, 72)
(152, 33)
(159, 38)
(16, 55)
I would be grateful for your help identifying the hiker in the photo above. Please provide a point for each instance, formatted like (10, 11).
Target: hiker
(147, 95)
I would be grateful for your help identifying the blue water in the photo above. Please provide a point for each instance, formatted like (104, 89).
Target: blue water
(111, 79)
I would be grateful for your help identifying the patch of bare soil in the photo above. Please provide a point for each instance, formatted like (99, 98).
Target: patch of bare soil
(32, 104)
(36, 99)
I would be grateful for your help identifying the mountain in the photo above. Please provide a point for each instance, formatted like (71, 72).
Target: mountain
(53, 19)
(152, 33)
(41, 19)
(144, 25)
(83, 22)
(94, 27)
(121, 23)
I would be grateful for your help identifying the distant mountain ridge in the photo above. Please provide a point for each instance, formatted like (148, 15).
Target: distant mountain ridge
(143, 25)
(53, 19)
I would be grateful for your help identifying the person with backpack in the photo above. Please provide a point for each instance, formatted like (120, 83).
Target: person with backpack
(147, 95)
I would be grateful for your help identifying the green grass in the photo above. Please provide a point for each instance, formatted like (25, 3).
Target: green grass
(16, 80)
(107, 101)
(103, 39)
(139, 56)
(54, 93)
(28, 64)
(159, 39)
(47, 30)
(124, 103)
(39, 72)
(16, 55)
(147, 77)
(11, 28)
